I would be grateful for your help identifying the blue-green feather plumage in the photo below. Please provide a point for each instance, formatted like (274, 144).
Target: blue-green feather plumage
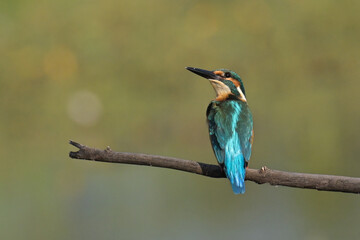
(230, 124)
(230, 128)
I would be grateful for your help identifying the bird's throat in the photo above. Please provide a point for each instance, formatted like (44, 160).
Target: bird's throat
(222, 91)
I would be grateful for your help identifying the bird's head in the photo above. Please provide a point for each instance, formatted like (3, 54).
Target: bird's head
(225, 82)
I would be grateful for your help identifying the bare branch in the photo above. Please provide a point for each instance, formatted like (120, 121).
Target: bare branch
(264, 175)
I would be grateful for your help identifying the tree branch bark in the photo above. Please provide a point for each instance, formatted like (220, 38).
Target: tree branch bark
(261, 176)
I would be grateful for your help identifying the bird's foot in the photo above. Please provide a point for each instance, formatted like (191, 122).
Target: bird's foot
(263, 169)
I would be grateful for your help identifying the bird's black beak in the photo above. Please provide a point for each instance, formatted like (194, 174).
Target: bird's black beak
(204, 73)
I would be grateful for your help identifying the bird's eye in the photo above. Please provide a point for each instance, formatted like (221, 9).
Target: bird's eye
(227, 74)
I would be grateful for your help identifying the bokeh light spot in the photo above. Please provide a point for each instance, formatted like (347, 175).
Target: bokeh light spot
(60, 64)
(84, 108)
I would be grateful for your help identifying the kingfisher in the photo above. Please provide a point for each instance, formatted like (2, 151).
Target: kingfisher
(230, 124)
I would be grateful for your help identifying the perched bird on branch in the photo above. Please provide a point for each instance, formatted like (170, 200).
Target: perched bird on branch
(230, 124)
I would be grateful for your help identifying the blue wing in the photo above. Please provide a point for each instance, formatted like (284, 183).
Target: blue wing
(230, 129)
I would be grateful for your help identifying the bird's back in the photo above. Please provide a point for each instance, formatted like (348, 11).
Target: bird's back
(230, 129)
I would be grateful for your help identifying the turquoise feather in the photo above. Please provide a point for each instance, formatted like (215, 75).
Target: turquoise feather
(230, 128)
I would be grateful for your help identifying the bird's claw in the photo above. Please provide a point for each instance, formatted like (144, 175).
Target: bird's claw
(263, 169)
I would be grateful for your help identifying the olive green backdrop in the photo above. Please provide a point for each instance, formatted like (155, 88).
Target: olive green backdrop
(113, 73)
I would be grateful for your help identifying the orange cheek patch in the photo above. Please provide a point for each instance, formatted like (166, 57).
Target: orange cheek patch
(235, 82)
(221, 73)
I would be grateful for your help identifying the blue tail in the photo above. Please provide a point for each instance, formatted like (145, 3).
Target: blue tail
(235, 172)
(238, 187)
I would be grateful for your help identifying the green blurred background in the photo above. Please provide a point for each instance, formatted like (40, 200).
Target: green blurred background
(112, 73)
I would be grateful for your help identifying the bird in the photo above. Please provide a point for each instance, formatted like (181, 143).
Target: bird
(230, 124)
